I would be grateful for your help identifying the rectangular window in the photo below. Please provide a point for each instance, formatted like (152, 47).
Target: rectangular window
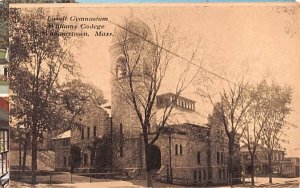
(121, 140)
(176, 149)
(121, 129)
(222, 157)
(195, 176)
(218, 157)
(224, 174)
(200, 175)
(65, 161)
(204, 174)
(121, 150)
(180, 149)
(82, 132)
(198, 158)
(95, 131)
(88, 132)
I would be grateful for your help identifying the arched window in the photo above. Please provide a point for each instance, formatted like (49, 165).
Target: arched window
(121, 68)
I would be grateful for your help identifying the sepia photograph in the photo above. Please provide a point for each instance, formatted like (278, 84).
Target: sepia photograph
(154, 95)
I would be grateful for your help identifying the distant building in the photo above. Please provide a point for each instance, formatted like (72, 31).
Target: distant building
(295, 166)
(282, 166)
(83, 139)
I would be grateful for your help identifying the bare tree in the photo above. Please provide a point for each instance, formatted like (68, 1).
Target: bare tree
(256, 121)
(140, 76)
(232, 112)
(277, 101)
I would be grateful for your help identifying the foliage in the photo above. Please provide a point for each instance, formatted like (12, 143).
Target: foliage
(78, 100)
(38, 62)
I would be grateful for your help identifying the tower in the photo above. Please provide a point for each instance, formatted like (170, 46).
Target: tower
(129, 51)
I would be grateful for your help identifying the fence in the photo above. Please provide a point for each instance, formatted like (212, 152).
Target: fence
(202, 182)
(52, 177)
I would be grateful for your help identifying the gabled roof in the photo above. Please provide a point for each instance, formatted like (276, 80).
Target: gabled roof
(66, 134)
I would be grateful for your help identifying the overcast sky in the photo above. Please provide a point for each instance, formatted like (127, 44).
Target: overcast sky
(257, 42)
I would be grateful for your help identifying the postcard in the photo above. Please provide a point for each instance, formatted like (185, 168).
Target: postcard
(154, 95)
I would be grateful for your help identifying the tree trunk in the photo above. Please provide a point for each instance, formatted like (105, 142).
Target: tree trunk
(230, 161)
(252, 170)
(270, 166)
(148, 170)
(34, 154)
(24, 155)
(20, 159)
(149, 178)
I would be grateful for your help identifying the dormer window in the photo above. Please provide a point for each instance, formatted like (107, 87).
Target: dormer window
(121, 68)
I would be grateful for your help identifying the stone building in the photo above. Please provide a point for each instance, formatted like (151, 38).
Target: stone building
(182, 154)
(83, 141)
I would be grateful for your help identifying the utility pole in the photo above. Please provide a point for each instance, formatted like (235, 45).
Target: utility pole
(170, 156)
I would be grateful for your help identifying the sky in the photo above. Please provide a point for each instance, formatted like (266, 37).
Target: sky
(254, 41)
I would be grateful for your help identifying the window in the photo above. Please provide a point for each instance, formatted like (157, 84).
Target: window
(200, 175)
(88, 132)
(180, 149)
(121, 129)
(224, 173)
(204, 174)
(176, 149)
(85, 159)
(198, 158)
(222, 157)
(218, 157)
(82, 132)
(195, 176)
(121, 140)
(65, 161)
(220, 173)
(95, 131)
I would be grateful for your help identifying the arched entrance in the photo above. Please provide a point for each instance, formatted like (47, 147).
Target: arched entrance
(87, 156)
(155, 158)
